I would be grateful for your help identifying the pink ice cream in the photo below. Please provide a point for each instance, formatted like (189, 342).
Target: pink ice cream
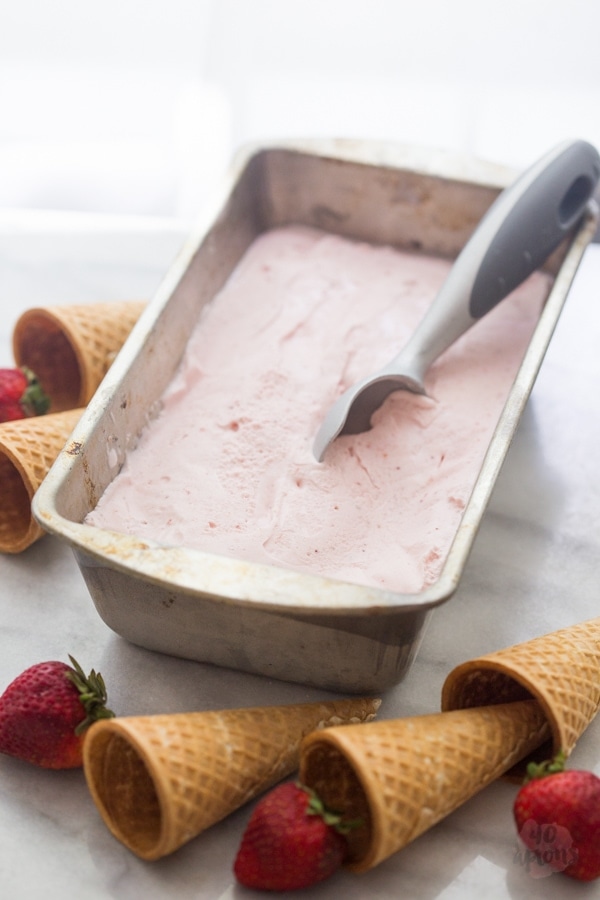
(227, 466)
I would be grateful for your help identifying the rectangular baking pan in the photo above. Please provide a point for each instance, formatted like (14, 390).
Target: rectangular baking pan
(264, 619)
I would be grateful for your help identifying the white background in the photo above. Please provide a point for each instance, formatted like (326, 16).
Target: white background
(135, 106)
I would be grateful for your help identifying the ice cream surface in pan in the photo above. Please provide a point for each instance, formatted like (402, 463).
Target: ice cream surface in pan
(227, 464)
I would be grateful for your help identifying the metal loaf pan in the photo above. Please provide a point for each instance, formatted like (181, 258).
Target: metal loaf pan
(256, 618)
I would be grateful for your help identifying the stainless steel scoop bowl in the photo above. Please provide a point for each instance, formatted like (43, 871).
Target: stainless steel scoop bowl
(523, 226)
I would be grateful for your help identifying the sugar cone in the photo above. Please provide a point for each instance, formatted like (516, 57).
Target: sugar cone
(28, 447)
(401, 776)
(158, 781)
(70, 348)
(560, 670)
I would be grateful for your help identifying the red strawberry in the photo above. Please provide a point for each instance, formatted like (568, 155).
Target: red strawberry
(45, 711)
(290, 842)
(557, 813)
(21, 395)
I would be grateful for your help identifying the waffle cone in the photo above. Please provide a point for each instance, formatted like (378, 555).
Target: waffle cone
(70, 348)
(158, 781)
(560, 670)
(28, 447)
(401, 776)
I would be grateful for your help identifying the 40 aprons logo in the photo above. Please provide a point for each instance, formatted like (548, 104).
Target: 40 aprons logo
(546, 849)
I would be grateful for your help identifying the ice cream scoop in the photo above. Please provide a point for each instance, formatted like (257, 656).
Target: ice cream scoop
(520, 230)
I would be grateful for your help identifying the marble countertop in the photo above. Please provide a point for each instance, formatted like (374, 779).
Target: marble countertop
(535, 567)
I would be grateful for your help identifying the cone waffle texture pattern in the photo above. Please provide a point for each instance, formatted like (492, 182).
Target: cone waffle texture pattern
(158, 781)
(28, 447)
(71, 348)
(560, 670)
(401, 776)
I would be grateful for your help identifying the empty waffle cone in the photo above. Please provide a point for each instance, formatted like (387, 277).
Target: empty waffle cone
(560, 670)
(70, 348)
(401, 776)
(160, 780)
(28, 447)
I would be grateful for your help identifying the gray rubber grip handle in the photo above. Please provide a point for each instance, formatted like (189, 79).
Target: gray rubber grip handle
(526, 222)
(531, 219)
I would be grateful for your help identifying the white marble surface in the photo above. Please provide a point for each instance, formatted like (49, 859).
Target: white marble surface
(535, 567)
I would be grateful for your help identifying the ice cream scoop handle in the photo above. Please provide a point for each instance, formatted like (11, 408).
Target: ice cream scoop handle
(517, 234)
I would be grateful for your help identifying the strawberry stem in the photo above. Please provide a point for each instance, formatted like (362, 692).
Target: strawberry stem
(33, 401)
(92, 694)
(548, 767)
(316, 807)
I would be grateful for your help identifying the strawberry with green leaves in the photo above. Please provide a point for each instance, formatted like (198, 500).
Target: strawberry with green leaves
(557, 813)
(46, 710)
(291, 841)
(21, 395)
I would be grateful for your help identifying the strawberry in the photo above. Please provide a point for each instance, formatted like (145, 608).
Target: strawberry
(557, 813)
(45, 711)
(291, 841)
(21, 395)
